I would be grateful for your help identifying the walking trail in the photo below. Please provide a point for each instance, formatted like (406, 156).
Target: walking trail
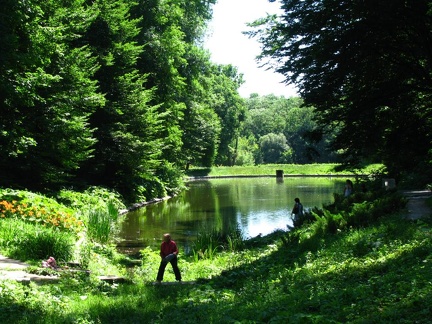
(16, 270)
(417, 207)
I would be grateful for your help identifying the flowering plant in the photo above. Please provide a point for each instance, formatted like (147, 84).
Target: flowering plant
(46, 213)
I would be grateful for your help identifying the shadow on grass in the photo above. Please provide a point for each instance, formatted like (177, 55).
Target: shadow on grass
(320, 281)
(199, 172)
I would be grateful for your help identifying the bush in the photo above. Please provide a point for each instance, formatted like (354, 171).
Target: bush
(358, 210)
(37, 209)
(24, 241)
(91, 198)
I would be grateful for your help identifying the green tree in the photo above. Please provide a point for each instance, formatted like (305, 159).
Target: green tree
(47, 92)
(366, 68)
(211, 132)
(128, 149)
(179, 70)
(201, 126)
(271, 114)
(248, 151)
(230, 108)
(163, 56)
(274, 149)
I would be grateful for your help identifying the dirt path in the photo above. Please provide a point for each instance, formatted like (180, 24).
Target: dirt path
(417, 207)
(16, 270)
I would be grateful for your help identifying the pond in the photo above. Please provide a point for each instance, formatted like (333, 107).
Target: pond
(256, 205)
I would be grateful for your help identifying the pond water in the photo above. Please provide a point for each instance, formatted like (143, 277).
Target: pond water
(255, 205)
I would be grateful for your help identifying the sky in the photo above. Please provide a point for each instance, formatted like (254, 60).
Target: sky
(228, 45)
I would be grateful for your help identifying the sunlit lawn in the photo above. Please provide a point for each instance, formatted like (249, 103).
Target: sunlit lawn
(288, 169)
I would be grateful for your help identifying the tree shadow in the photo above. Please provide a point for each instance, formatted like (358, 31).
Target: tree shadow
(201, 172)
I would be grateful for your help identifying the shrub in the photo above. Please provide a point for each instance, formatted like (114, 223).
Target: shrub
(91, 198)
(35, 242)
(37, 209)
(358, 210)
(360, 215)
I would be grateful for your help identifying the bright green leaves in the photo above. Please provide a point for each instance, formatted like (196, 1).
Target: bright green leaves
(112, 93)
(365, 67)
(49, 94)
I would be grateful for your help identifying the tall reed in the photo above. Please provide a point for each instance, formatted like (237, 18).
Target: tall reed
(102, 223)
(209, 242)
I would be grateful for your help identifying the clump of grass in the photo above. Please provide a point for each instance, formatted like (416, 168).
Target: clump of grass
(25, 241)
(208, 243)
(102, 221)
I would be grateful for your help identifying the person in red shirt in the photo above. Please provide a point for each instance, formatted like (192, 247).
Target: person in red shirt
(168, 253)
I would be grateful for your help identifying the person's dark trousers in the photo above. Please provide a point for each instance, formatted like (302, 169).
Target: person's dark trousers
(163, 265)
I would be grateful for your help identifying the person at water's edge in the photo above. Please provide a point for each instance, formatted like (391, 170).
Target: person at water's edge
(297, 212)
(348, 188)
(168, 253)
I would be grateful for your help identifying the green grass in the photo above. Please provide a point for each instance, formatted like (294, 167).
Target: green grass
(378, 274)
(377, 270)
(288, 169)
(24, 241)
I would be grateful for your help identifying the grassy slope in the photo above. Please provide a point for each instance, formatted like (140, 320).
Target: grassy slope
(378, 274)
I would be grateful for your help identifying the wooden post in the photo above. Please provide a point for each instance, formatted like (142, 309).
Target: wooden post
(279, 174)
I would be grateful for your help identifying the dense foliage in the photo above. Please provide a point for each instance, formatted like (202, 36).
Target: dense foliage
(111, 93)
(277, 130)
(122, 95)
(366, 68)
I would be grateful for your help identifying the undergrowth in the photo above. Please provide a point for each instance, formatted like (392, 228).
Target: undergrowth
(356, 262)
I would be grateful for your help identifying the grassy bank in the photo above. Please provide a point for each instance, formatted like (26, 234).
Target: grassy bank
(378, 274)
(288, 169)
(356, 260)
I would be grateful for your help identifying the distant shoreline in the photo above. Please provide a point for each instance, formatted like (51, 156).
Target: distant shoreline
(191, 178)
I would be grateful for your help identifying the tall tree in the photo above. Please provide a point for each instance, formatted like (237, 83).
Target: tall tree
(230, 108)
(202, 106)
(127, 149)
(46, 90)
(366, 68)
(162, 58)
(201, 126)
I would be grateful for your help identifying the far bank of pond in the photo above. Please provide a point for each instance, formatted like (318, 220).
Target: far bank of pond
(256, 205)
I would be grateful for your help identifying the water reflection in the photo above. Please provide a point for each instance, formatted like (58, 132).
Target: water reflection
(256, 205)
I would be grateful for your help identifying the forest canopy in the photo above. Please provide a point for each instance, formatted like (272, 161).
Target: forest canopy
(112, 93)
(365, 67)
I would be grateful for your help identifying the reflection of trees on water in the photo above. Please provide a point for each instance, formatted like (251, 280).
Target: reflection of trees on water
(224, 204)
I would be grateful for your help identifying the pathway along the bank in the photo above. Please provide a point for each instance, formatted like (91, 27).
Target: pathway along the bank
(417, 206)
